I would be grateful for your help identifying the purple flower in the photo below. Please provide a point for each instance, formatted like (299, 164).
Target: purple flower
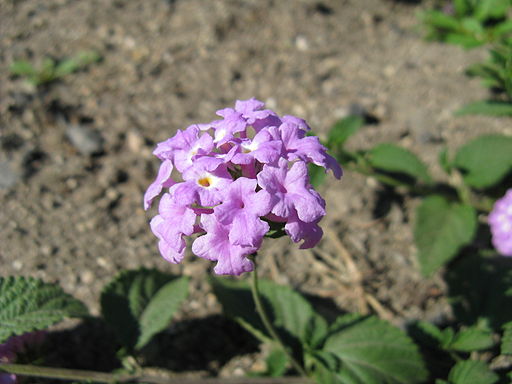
(239, 174)
(292, 191)
(216, 246)
(299, 230)
(163, 180)
(261, 148)
(500, 221)
(173, 222)
(203, 183)
(307, 148)
(242, 207)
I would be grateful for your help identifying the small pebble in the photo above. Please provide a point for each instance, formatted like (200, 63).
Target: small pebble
(8, 177)
(84, 139)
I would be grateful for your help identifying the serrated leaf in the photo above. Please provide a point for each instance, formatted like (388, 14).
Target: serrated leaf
(486, 160)
(392, 158)
(373, 351)
(441, 230)
(471, 339)
(489, 108)
(506, 340)
(342, 130)
(138, 304)
(289, 312)
(472, 371)
(28, 304)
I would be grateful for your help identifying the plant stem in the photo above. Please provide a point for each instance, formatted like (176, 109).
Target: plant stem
(102, 377)
(266, 321)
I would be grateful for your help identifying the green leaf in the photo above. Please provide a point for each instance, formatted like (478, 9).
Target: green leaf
(316, 175)
(506, 341)
(28, 304)
(373, 351)
(471, 339)
(439, 20)
(461, 7)
(444, 160)
(489, 108)
(473, 26)
(342, 130)
(441, 230)
(289, 312)
(22, 68)
(138, 304)
(472, 371)
(392, 158)
(463, 40)
(495, 9)
(66, 67)
(486, 160)
(276, 363)
(326, 366)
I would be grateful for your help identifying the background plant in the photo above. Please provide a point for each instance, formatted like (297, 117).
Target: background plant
(468, 23)
(496, 74)
(51, 70)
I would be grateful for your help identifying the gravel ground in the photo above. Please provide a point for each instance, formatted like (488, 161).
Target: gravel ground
(75, 156)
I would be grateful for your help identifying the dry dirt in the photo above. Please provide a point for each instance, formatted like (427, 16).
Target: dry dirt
(76, 218)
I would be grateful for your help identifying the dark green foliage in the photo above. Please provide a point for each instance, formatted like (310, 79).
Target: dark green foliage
(28, 304)
(372, 351)
(441, 230)
(506, 342)
(138, 304)
(480, 290)
(354, 349)
(472, 371)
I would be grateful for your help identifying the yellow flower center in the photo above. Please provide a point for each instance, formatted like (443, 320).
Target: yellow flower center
(204, 181)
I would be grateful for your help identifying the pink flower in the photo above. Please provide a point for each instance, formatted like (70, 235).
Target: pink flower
(239, 174)
(500, 221)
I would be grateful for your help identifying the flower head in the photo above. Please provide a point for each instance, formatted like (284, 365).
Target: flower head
(500, 221)
(238, 174)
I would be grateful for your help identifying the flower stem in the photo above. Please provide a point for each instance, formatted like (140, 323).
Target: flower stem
(266, 321)
(110, 378)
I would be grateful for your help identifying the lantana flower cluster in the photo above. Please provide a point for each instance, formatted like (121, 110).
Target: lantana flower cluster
(500, 221)
(240, 176)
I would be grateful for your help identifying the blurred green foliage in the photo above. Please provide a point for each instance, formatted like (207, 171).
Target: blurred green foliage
(469, 23)
(496, 73)
(52, 70)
